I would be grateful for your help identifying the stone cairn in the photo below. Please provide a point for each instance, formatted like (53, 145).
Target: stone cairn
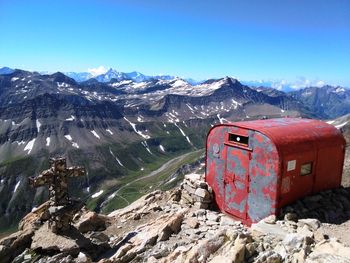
(196, 192)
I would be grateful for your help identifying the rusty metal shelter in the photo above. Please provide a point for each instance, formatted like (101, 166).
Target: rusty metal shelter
(257, 167)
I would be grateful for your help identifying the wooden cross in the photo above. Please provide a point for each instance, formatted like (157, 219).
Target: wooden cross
(56, 178)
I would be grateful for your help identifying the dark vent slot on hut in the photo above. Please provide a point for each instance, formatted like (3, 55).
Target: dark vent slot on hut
(235, 138)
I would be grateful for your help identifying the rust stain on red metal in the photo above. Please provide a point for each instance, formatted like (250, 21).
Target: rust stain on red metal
(257, 167)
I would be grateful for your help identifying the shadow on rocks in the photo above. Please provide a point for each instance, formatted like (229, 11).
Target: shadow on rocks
(331, 206)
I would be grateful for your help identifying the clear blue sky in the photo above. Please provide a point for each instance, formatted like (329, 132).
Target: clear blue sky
(251, 40)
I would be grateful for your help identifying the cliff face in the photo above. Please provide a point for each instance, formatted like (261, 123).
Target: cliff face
(171, 227)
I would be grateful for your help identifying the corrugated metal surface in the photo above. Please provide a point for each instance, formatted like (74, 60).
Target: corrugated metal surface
(255, 167)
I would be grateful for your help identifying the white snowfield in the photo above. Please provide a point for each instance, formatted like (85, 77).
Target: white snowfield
(30, 145)
(109, 131)
(16, 186)
(116, 158)
(133, 125)
(95, 195)
(38, 125)
(183, 133)
(144, 143)
(68, 137)
(48, 140)
(95, 134)
(71, 118)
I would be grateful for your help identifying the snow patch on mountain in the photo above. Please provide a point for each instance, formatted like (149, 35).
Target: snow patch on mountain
(68, 137)
(38, 125)
(109, 131)
(144, 143)
(75, 145)
(161, 148)
(133, 125)
(16, 186)
(29, 146)
(117, 159)
(183, 133)
(71, 118)
(95, 134)
(97, 194)
(221, 120)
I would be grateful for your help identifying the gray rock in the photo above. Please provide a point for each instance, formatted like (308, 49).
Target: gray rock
(202, 193)
(82, 258)
(305, 231)
(314, 224)
(228, 221)
(269, 229)
(293, 240)
(193, 177)
(213, 216)
(189, 189)
(271, 219)
(268, 257)
(192, 222)
(200, 205)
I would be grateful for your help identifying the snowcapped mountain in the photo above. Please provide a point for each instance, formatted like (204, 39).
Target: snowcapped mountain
(123, 127)
(79, 76)
(6, 70)
(113, 74)
(137, 76)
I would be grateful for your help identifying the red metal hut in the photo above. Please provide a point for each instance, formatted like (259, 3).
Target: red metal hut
(257, 167)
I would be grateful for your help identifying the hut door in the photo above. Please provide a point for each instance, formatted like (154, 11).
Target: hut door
(236, 181)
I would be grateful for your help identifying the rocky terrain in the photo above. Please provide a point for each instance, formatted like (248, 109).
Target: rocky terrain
(173, 226)
(343, 123)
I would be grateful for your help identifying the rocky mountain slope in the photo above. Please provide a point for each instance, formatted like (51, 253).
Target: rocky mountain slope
(343, 123)
(327, 101)
(118, 130)
(166, 227)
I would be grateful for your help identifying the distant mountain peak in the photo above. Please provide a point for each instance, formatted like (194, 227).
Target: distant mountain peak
(6, 70)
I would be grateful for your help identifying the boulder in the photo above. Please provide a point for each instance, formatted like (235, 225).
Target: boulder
(49, 242)
(331, 247)
(91, 221)
(205, 248)
(15, 244)
(293, 240)
(83, 258)
(34, 219)
(202, 193)
(314, 224)
(192, 222)
(148, 235)
(173, 225)
(193, 178)
(269, 229)
(270, 219)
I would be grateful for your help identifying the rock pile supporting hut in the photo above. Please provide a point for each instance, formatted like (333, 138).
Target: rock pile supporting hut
(195, 191)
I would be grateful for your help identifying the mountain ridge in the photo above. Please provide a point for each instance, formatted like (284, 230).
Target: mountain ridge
(118, 130)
